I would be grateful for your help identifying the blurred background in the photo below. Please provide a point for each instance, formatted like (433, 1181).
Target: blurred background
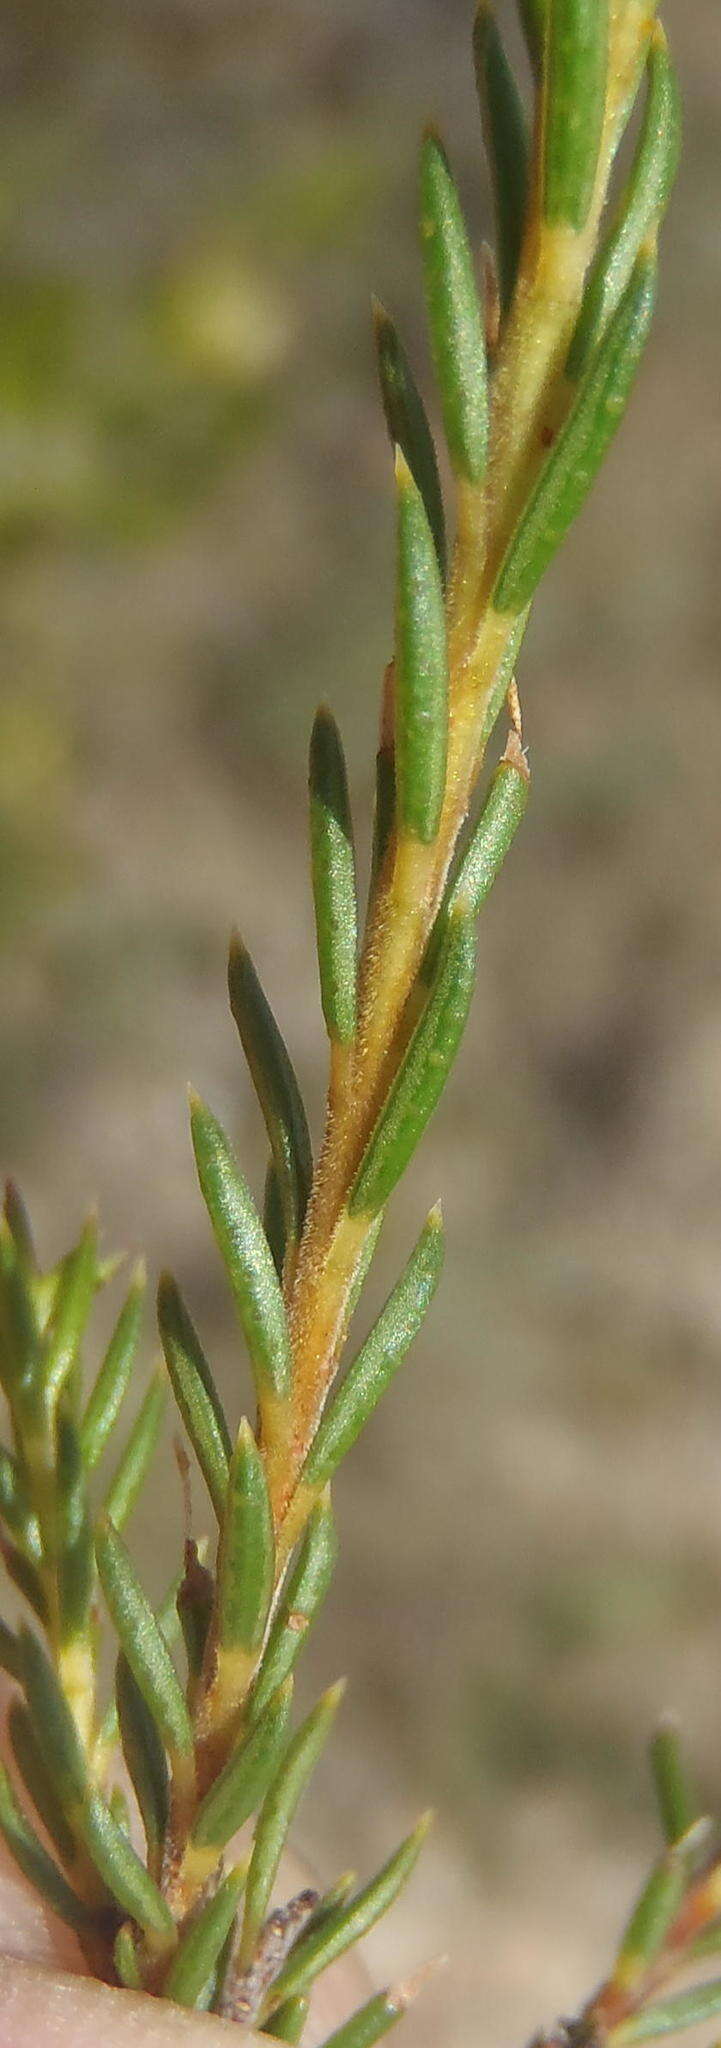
(196, 199)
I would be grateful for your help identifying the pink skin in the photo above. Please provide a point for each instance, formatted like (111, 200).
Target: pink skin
(48, 2001)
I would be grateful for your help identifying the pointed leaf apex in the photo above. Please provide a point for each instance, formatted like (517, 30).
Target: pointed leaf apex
(404, 475)
(434, 1218)
(402, 1995)
(333, 1696)
(195, 1101)
(431, 139)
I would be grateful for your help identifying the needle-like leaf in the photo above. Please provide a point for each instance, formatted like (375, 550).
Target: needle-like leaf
(28, 1754)
(339, 1930)
(144, 1755)
(73, 1532)
(407, 424)
(670, 2015)
(122, 1872)
(275, 1085)
(244, 1250)
(243, 1783)
(334, 881)
(302, 1596)
(421, 674)
(127, 1482)
(422, 1074)
(113, 1379)
(373, 1369)
(141, 1639)
(454, 315)
(565, 481)
(673, 1792)
(506, 134)
(641, 206)
(198, 1953)
(245, 1571)
(575, 74)
(79, 1280)
(288, 2021)
(195, 1391)
(277, 1813)
(37, 1866)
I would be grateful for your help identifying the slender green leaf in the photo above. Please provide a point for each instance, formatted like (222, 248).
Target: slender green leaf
(355, 1290)
(53, 1724)
(454, 315)
(37, 1866)
(683, 2009)
(502, 813)
(15, 1508)
(340, 1930)
(421, 672)
(73, 1533)
(534, 20)
(244, 1250)
(288, 2021)
(197, 1955)
(129, 1478)
(195, 1391)
(277, 1813)
(25, 1576)
(641, 206)
(303, 1594)
(126, 1878)
(113, 1379)
(407, 424)
(275, 1085)
(19, 1331)
(651, 1918)
(28, 1754)
(506, 134)
(673, 1792)
(241, 1786)
(334, 880)
(369, 2024)
(379, 1358)
(125, 1958)
(566, 479)
(78, 1284)
(20, 1228)
(247, 1554)
(422, 1075)
(142, 1641)
(504, 675)
(575, 83)
(144, 1755)
(168, 1621)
